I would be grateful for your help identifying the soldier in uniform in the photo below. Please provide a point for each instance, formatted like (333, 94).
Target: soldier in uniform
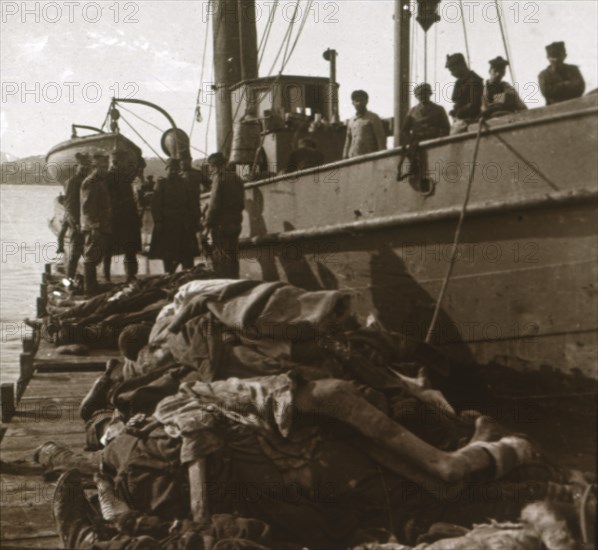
(500, 98)
(467, 95)
(95, 219)
(176, 220)
(224, 215)
(305, 156)
(365, 131)
(559, 81)
(72, 214)
(426, 120)
(126, 227)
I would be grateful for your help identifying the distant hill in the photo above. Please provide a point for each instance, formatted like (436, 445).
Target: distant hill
(25, 171)
(31, 170)
(7, 157)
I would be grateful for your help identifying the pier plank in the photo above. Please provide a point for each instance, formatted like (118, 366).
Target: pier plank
(47, 411)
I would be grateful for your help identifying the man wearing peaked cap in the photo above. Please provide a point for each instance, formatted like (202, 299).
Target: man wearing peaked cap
(95, 218)
(467, 95)
(175, 211)
(559, 81)
(224, 215)
(499, 97)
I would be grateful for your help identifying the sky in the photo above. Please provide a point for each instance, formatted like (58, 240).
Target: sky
(61, 62)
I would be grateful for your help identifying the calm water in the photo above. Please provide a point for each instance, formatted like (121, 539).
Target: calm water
(27, 244)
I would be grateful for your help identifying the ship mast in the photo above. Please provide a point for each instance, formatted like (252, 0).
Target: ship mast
(235, 59)
(401, 74)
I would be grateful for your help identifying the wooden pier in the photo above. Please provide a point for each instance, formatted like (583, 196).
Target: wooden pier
(42, 406)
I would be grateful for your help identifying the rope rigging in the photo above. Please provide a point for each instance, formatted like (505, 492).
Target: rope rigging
(505, 40)
(197, 114)
(141, 118)
(456, 237)
(142, 138)
(286, 38)
(286, 58)
(302, 26)
(465, 33)
(266, 35)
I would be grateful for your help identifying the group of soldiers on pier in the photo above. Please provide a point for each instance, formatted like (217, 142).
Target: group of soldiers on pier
(102, 217)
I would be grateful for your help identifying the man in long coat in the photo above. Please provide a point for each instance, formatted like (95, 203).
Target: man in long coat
(224, 216)
(175, 210)
(126, 227)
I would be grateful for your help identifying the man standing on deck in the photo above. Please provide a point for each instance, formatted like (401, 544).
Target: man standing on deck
(365, 131)
(126, 227)
(224, 216)
(467, 95)
(72, 213)
(95, 219)
(427, 120)
(559, 81)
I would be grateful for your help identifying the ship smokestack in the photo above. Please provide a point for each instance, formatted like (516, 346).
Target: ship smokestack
(331, 104)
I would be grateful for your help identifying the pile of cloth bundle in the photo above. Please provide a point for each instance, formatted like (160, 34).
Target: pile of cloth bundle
(257, 415)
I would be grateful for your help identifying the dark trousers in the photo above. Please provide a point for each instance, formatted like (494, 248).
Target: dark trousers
(171, 265)
(131, 264)
(225, 253)
(74, 251)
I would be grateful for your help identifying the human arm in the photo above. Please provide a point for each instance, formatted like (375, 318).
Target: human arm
(214, 204)
(473, 90)
(561, 86)
(379, 133)
(71, 201)
(158, 203)
(348, 139)
(444, 126)
(574, 85)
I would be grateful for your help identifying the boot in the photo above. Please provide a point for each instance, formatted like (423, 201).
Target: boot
(96, 398)
(110, 504)
(72, 512)
(58, 458)
(106, 264)
(91, 280)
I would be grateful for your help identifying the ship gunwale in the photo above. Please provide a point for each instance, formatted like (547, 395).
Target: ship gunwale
(488, 131)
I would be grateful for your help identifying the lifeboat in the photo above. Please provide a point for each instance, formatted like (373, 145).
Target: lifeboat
(61, 163)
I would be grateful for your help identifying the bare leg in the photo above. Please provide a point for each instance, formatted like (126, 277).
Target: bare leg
(413, 457)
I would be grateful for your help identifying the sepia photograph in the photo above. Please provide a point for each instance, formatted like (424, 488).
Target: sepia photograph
(299, 274)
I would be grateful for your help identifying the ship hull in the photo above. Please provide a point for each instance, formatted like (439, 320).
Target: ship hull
(522, 293)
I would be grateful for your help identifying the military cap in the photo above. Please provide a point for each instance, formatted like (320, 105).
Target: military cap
(217, 158)
(360, 93)
(421, 89)
(455, 59)
(99, 157)
(556, 48)
(498, 63)
(82, 158)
